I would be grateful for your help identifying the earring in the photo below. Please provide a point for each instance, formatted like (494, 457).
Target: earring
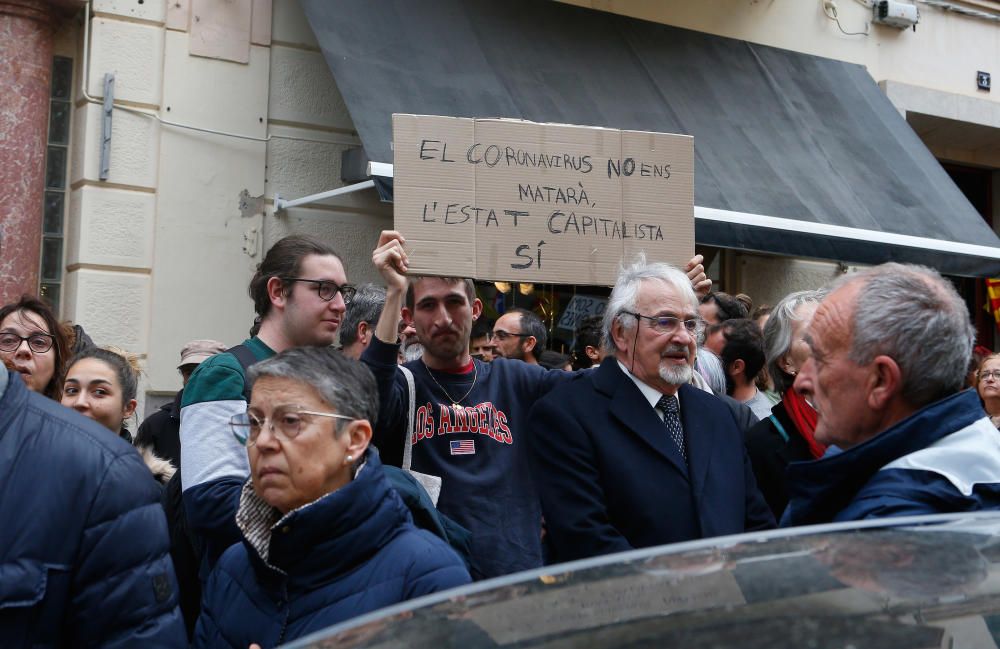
(792, 372)
(348, 459)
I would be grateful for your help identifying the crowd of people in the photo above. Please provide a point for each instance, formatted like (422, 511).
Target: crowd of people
(367, 445)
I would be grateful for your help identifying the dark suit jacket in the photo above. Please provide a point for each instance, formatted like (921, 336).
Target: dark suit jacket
(610, 479)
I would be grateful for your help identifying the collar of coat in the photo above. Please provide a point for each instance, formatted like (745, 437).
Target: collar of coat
(819, 489)
(330, 535)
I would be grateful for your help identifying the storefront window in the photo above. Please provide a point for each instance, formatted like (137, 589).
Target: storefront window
(560, 306)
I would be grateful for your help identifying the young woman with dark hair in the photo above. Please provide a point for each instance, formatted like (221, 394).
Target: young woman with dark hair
(34, 344)
(102, 384)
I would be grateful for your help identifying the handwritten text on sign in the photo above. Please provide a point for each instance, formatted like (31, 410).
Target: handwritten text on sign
(521, 201)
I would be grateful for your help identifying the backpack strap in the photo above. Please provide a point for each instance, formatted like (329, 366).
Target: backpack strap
(410, 416)
(431, 483)
(246, 359)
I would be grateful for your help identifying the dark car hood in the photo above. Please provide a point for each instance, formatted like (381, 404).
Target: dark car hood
(910, 583)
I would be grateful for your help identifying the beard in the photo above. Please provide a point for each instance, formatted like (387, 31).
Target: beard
(444, 347)
(677, 375)
(516, 355)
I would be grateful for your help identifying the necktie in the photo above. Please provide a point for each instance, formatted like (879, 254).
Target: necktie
(672, 421)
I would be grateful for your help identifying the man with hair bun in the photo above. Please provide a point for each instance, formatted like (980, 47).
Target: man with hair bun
(890, 347)
(300, 293)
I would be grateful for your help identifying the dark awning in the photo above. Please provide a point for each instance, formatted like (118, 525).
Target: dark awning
(794, 154)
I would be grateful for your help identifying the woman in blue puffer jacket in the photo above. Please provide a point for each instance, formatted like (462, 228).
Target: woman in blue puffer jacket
(325, 537)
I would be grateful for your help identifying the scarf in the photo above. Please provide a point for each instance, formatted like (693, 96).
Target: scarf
(804, 417)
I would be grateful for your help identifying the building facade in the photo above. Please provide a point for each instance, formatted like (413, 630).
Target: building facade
(144, 223)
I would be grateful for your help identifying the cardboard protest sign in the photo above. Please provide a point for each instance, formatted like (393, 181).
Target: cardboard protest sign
(511, 200)
(579, 307)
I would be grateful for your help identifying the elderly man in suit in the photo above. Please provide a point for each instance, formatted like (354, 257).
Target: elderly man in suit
(629, 455)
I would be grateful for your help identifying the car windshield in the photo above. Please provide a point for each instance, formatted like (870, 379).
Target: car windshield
(916, 583)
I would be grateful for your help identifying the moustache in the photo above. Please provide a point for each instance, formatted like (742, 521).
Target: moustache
(676, 349)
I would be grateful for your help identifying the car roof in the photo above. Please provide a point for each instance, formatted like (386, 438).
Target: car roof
(929, 581)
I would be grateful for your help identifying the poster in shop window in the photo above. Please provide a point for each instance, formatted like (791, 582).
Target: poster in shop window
(512, 200)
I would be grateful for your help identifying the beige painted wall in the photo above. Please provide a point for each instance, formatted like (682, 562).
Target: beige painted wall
(944, 52)
(109, 249)
(305, 103)
(201, 269)
(768, 278)
(160, 253)
(156, 254)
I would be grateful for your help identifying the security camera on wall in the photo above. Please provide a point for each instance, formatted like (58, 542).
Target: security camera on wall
(895, 14)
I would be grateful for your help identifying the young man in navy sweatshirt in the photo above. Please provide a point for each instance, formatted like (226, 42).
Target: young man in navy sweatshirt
(470, 417)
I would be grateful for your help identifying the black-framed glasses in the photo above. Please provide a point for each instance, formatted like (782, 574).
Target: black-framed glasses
(326, 289)
(502, 335)
(995, 374)
(286, 423)
(666, 324)
(37, 342)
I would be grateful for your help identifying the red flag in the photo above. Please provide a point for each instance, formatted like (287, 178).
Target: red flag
(993, 291)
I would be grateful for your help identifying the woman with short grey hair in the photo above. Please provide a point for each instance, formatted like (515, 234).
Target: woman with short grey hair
(325, 536)
(787, 435)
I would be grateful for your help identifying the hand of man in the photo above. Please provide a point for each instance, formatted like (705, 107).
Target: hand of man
(390, 259)
(696, 273)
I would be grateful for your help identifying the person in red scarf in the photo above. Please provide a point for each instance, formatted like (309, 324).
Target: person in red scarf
(787, 435)
(988, 386)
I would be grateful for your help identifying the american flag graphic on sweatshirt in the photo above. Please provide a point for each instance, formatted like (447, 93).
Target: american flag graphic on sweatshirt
(463, 447)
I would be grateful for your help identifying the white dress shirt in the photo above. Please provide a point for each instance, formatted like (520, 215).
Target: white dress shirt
(652, 394)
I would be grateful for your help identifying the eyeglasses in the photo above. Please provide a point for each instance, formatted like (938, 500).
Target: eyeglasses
(666, 324)
(286, 423)
(994, 374)
(37, 342)
(502, 335)
(326, 289)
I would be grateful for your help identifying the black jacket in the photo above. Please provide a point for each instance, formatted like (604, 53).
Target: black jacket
(611, 480)
(772, 447)
(161, 431)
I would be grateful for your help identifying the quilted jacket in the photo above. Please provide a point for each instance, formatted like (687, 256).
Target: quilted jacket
(350, 552)
(83, 540)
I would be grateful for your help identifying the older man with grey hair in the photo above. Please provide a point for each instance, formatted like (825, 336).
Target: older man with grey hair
(358, 326)
(630, 455)
(890, 346)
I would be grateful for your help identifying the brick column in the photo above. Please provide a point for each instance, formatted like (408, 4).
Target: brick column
(26, 33)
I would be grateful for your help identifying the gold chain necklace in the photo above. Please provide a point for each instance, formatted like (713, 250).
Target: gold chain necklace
(455, 402)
